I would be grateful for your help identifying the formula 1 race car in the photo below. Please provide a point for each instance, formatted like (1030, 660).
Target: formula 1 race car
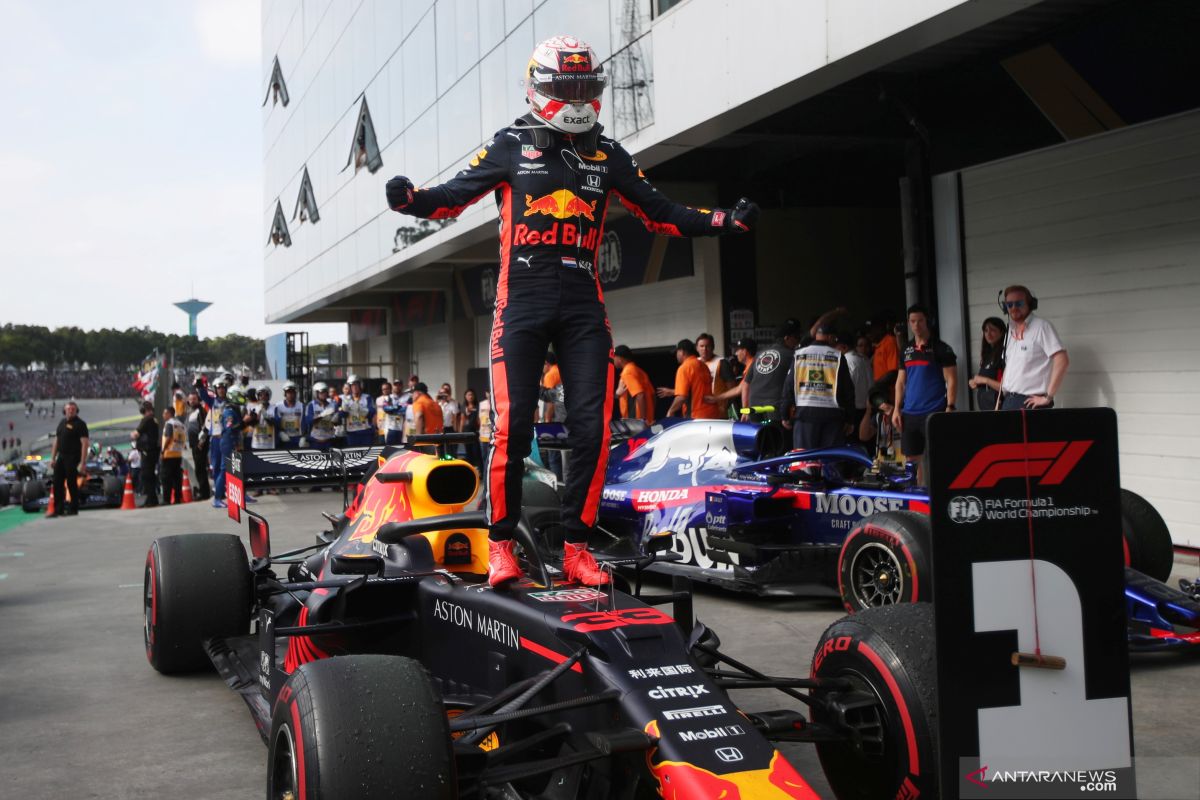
(383, 665)
(100, 488)
(829, 522)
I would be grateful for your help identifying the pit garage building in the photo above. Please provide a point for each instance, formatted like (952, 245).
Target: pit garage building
(928, 150)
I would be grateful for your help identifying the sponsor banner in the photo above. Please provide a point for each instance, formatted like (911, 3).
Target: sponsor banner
(417, 310)
(1028, 558)
(235, 497)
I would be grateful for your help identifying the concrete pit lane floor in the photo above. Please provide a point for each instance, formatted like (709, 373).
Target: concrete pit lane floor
(82, 714)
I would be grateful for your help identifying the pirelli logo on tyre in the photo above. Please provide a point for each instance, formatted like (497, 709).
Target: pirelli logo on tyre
(1049, 462)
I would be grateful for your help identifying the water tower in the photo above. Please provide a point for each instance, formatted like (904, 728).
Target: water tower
(192, 308)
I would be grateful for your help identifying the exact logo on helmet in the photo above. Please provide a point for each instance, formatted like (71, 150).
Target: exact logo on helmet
(575, 62)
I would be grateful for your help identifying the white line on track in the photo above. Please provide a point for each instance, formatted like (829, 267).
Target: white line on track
(129, 585)
(12, 555)
(3, 575)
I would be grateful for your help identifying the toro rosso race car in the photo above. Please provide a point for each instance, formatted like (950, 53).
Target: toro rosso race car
(382, 664)
(827, 522)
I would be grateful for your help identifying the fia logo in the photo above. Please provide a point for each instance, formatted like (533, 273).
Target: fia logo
(965, 509)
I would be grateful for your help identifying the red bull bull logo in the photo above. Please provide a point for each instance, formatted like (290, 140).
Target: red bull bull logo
(575, 62)
(560, 204)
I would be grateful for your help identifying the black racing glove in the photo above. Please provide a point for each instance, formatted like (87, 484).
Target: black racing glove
(742, 217)
(399, 192)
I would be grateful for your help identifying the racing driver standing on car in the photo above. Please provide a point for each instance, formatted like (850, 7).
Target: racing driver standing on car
(553, 175)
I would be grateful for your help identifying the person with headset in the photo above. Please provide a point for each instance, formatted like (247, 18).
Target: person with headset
(553, 176)
(1035, 359)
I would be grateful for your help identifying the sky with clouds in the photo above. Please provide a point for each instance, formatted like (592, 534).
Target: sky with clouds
(131, 165)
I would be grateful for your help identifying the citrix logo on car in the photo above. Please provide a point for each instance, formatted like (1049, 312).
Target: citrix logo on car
(665, 692)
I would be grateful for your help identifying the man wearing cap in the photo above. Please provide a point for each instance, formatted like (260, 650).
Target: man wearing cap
(693, 383)
(818, 398)
(635, 392)
(146, 440)
(767, 378)
(427, 414)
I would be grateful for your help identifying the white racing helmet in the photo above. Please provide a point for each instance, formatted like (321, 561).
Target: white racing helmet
(563, 82)
(320, 386)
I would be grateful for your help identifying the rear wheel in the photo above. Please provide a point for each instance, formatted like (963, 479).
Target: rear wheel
(34, 490)
(197, 586)
(366, 726)
(887, 655)
(113, 490)
(1148, 545)
(5, 488)
(885, 561)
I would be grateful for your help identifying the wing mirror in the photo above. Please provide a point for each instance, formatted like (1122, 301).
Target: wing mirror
(260, 536)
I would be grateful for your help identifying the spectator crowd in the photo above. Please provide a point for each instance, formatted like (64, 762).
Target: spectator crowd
(30, 385)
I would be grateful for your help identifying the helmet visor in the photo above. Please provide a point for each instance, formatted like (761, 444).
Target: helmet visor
(570, 88)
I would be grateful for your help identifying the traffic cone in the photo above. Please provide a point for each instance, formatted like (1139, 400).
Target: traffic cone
(187, 488)
(50, 505)
(128, 502)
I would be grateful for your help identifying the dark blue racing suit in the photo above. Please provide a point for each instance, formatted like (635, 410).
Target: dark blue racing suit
(553, 191)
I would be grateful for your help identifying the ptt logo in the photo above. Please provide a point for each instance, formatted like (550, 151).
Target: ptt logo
(560, 204)
(1051, 462)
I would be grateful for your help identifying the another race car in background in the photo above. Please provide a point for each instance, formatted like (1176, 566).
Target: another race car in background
(33, 481)
(384, 665)
(828, 522)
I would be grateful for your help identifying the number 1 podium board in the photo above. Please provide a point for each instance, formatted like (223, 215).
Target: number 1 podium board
(1028, 579)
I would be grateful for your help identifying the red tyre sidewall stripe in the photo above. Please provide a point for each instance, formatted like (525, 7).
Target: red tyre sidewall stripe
(914, 762)
(298, 745)
(150, 562)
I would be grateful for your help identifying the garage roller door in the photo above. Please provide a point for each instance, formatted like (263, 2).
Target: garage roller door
(1106, 232)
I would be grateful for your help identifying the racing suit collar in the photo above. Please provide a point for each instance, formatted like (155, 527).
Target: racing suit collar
(545, 137)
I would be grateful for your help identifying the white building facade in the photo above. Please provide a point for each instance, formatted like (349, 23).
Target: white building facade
(882, 179)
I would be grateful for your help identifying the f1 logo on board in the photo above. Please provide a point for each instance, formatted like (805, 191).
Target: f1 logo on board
(1052, 462)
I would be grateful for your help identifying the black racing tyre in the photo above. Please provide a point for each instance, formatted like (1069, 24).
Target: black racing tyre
(364, 727)
(114, 490)
(885, 560)
(888, 657)
(1148, 545)
(34, 490)
(5, 488)
(536, 494)
(197, 586)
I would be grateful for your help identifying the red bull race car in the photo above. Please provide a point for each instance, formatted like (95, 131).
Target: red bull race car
(828, 522)
(382, 664)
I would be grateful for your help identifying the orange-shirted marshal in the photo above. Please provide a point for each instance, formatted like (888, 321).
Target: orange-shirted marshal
(637, 382)
(692, 382)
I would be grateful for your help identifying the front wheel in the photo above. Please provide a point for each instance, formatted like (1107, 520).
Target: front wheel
(364, 726)
(885, 561)
(197, 586)
(889, 713)
(1148, 545)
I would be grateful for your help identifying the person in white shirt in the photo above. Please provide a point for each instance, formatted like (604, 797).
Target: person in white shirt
(1035, 359)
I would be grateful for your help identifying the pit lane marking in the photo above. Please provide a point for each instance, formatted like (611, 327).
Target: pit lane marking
(12, 555)
(129, 586)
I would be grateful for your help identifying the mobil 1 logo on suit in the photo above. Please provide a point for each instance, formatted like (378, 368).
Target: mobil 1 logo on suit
(1028, 576)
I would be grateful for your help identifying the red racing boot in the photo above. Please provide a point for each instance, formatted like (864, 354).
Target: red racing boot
(502, 564)
(578, 565)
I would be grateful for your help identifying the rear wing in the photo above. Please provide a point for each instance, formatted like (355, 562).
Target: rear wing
(279, 469)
